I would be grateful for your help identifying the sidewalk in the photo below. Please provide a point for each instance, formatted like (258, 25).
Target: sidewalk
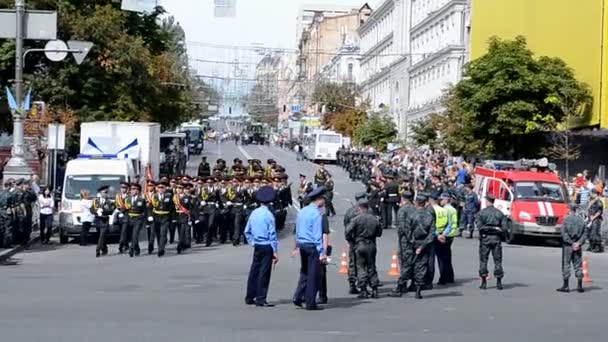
(7, 253)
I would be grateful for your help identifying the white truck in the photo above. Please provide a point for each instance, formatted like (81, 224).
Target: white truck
(110, 152)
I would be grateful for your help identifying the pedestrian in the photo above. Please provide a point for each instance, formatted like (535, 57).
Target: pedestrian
(574, 235)
(407, 253)
(364, 230)
(445, 240)
(102, 208)
(492, 225)
(350, 214)
(87, 217)
(260, 233)
(46, 204)
(309, 240)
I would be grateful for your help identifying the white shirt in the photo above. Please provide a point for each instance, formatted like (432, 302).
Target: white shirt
(86, 216)
(46, 205)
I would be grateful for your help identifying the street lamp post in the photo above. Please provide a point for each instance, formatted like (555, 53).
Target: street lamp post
(17, 166)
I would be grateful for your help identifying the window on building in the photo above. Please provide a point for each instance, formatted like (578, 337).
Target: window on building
(350, 71)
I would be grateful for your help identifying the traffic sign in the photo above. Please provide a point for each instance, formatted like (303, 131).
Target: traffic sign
(39, 25)
(56, 50)
(83, 48)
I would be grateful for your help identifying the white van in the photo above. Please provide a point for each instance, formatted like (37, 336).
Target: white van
(90, 174)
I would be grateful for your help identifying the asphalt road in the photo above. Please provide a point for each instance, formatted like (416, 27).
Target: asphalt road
(63, 293)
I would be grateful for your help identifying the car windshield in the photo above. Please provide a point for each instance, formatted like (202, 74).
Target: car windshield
(194, 135)
(74, 184)
(330, 139)
(539, 190)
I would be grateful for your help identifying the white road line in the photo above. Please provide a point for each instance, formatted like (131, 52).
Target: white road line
(247, 155)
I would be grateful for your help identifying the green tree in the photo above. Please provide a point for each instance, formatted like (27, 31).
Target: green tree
(503, 96)
(342, 111)
(377, 131)
(425, 133)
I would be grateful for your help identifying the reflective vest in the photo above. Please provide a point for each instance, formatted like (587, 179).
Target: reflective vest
(453, 219)
(441, 219)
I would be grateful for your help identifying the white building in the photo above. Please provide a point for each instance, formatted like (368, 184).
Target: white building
(307, 13)
(439, 38)
(344, 66)
(384, 59)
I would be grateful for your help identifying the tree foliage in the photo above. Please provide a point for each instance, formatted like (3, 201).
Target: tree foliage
(504, 95)
(424, 132)
(342, 112)
(262, 103)
(136, 71)
(378, 131)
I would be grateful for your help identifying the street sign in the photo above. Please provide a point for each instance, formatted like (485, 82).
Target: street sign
(56, 137)
(39, 25)
(139, 6)
(56, 50)
(296, 109)
(83, 48)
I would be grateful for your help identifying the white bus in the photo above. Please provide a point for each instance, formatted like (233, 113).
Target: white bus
(322, 145)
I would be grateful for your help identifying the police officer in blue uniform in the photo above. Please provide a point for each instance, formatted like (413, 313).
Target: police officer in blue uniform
(309, 240)
(261, 234)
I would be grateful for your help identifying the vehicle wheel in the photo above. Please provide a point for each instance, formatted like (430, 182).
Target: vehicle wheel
(510, 236)
(63, 239)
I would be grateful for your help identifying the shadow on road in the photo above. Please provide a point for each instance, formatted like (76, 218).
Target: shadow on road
(11, 262)
(334, 303)
(441, 294)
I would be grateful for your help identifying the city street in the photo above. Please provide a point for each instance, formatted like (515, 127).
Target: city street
(63, 293)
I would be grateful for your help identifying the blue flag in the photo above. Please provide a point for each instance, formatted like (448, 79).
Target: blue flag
(26, 102)
(11, 100)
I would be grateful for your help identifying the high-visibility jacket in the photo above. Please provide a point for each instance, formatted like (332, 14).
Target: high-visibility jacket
(441, 219)
(453, 219)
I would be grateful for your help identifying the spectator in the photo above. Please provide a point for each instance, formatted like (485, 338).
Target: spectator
(87, 216)
(46, 204)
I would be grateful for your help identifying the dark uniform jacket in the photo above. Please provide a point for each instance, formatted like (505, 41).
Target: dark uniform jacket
(136, 208)
(204, 169)
(162, 207)
(491, 221)
(405, 224)
(107, 208)
(364, 228)
(423, 226)
(573, 230)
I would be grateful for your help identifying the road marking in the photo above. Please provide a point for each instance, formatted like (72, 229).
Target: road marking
(247, 155)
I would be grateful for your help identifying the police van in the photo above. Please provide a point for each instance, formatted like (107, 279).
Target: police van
(528, 192)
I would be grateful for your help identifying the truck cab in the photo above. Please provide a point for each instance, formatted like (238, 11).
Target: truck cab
(528, 193)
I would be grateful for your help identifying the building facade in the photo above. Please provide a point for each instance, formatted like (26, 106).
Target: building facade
(438, 38)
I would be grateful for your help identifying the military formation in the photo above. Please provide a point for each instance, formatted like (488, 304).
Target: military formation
(212, 207)
(16, 212)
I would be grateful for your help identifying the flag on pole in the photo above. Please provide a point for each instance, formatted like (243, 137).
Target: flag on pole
(11, 100)
(26, 101)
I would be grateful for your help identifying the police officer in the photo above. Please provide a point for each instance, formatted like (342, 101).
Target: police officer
(261, 234)
(309, 240)
(184, 213)
(209, 211)
(350, 214)
(445, 240)
(574, 235)
(136, 215)
(238, 212)
(121, 219)
(491, 223)
(204, 169)
(407, 253)
(471, 207)
(227, 197)
(102, 207)
(441, 223)
(364, 229)
(594, 217)
(423, 225)
(391, 200)
(162, 210)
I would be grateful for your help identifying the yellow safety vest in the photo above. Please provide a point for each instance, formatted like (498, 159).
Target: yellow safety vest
(441, 219)
(453, 219)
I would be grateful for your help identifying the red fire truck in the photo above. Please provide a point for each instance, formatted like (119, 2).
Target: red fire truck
(528, 192)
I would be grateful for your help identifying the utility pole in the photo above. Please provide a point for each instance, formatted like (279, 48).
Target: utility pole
(17, 166)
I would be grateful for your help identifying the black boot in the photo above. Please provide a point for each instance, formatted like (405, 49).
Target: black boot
(470, 234)
(499, 284)
(150, 249)
(375, 292)
(397, 292)
(579, 286)
(418, 292)
(131, 252)
(353, 289)
(484, 283)
(363, 294)
(565, 288)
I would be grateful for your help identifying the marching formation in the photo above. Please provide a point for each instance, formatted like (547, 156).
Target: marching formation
(213, 206)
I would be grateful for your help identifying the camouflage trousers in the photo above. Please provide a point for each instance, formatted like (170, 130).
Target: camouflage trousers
(574, 258)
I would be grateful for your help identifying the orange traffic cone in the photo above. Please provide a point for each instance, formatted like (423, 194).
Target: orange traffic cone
(586, 276)
(343, 264)
(394, 271)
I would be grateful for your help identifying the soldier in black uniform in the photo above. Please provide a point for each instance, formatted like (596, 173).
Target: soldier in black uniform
(574, 236)
(492, 224)
(407, 252)
(238, 212)
(19, 212)
(162, 211)
(120, 219)
(204, 169)
(227, 197)
(283, 200)
(209, 210)
(392, 199)
(184, 213)
(220, 168)
(594, 217)
(137, 209)
(423, 225)
(6, 229)
(173, 224)
(148, 193)
(102, 207)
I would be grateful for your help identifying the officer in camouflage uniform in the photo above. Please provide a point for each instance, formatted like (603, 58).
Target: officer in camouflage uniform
(19, 213)
(350, 214)
(364, 229)
(492, 224)
(407, 253)
(594, 217)
(423, 226)
(574, 236)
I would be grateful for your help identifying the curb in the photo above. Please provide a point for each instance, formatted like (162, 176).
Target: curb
(9, 253)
